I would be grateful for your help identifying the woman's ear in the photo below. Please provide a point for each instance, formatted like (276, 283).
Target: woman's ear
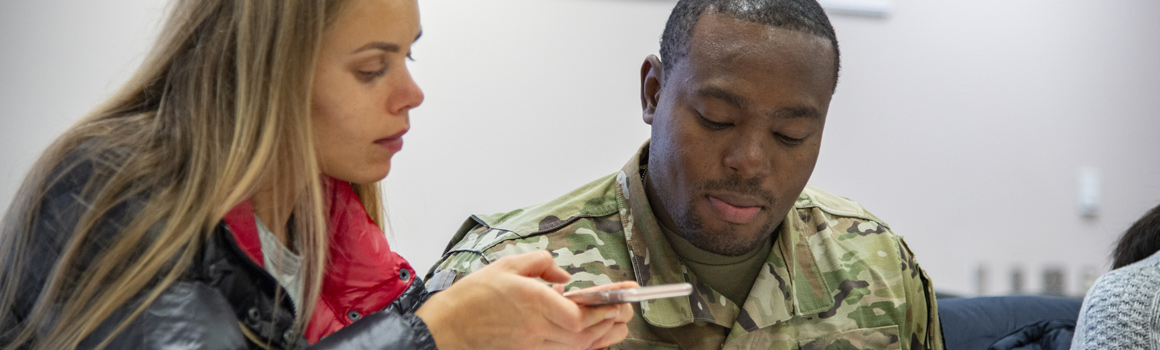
(650, 86)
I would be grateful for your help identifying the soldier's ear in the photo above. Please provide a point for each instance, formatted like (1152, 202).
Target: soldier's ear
(650, 86)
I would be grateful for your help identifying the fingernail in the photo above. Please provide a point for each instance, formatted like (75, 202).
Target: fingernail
(612, 314)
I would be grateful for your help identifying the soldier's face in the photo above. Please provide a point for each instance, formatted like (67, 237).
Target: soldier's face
(736, 130)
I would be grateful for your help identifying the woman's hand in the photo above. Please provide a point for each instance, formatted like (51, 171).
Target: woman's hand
(503, 306)
(619, 328)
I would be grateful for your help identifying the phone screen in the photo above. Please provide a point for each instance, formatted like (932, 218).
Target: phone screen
(632, 294)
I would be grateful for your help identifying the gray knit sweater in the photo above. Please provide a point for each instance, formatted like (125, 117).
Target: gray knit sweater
(1122, 310)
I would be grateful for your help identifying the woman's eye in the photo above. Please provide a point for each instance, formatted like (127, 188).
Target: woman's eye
(366, 76)
(712, 125)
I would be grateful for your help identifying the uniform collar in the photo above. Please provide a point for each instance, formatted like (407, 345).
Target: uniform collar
(791, 269)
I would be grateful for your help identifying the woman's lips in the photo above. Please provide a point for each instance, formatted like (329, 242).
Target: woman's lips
(393, 143)
(734, 213)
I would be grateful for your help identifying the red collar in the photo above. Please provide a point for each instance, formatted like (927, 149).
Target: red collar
(362, 274)
(245, 230)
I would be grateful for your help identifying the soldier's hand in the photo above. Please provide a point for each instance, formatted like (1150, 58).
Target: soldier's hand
(504, 306)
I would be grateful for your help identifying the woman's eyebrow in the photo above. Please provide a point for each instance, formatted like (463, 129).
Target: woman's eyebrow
(384, 46)
(378, 45)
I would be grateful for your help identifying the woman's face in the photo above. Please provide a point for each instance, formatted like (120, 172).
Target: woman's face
(362, 89)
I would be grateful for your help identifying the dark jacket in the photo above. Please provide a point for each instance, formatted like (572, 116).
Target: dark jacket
(223, 301)
(1008, 322)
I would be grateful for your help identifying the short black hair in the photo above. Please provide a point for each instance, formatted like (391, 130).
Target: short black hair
(1140, 241)
(798, 15)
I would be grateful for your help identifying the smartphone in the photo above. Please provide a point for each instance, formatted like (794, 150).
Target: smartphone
(631, 295)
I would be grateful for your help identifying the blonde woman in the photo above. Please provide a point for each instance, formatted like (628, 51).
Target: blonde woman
(227, 198)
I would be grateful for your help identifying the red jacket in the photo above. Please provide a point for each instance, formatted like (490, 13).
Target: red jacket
(363, 274)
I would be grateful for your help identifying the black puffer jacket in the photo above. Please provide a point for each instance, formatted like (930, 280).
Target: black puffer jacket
(224, 301)
(230, 296)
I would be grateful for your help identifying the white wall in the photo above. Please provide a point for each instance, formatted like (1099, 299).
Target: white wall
(58, 60)
(962, 123)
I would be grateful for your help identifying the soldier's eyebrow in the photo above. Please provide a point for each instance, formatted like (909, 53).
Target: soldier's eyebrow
(741, 102)
(794, 113)
(724, 95)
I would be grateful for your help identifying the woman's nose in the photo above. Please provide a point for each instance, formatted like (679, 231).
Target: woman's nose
(407, 96)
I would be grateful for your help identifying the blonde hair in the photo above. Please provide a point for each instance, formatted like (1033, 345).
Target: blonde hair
(219, 109)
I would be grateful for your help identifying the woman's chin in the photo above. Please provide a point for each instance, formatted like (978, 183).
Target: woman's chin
(365, 176)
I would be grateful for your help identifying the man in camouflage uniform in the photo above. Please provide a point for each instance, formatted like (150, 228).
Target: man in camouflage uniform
(718, 198)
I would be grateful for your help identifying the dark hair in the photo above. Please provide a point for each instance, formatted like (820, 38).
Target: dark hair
(1140, 241)
(799, 15)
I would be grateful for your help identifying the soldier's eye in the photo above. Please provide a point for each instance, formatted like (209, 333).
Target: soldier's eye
(710, 124)
(790, 140)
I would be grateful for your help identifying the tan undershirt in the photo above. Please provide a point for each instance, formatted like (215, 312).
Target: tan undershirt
(732, 276)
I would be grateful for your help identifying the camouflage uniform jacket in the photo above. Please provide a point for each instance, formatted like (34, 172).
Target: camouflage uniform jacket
(836, 278)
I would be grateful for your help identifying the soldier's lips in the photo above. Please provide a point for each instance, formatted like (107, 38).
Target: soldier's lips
(734, 213)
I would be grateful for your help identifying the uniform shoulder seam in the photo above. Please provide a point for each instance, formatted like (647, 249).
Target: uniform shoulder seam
(832, 204)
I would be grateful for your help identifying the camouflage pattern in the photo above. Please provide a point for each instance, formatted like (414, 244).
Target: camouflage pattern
(836, 278)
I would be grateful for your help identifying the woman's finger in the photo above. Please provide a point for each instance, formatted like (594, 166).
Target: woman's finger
(596, 314)
(626, 313)
(592, 335)
(551, 345)
(585, 339)
(613, 336)
(561, 311)
(604, 287)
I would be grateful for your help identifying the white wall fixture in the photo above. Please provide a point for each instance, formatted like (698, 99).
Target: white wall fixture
(863, 8)
(1089, 192)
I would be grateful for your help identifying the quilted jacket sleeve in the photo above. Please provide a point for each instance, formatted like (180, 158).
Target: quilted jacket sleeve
(190, 315)
(395, 328)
